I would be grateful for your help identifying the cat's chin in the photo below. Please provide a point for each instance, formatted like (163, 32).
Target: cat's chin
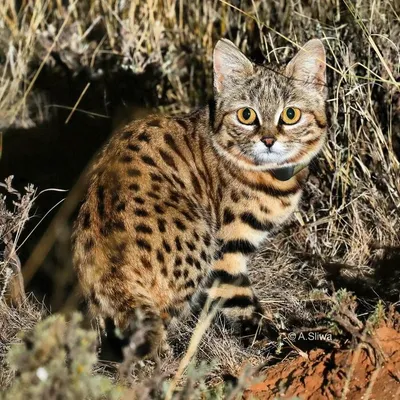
(276, 157)
(272, 163)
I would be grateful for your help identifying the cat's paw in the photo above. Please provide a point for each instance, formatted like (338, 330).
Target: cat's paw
(257, 327)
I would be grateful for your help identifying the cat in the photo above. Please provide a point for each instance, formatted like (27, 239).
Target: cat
(175, 205)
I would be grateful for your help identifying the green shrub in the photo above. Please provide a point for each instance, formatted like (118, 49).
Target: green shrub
(55, 361)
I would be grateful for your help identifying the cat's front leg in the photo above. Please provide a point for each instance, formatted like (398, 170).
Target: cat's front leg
(229, 287)
(228, 284)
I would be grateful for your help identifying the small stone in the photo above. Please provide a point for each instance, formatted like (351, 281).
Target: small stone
(42, 374)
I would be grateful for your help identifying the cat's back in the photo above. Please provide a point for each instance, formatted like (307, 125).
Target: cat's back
(143, 214)
(140, 139)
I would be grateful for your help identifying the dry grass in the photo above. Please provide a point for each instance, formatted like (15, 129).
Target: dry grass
(347, 231)
(21, 317)
(13, 321)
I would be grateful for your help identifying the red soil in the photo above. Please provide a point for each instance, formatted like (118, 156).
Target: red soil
(341, 374)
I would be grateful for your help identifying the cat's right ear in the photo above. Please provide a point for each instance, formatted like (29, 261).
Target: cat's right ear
(229, 62)
(309, 64)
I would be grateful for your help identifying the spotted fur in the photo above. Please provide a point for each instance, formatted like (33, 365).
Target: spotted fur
(175, 206)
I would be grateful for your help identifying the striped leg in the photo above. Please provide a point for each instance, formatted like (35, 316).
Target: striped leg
(241, 234)
(229, 284)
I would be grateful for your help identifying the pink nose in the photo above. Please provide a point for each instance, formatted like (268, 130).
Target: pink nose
(268, 141)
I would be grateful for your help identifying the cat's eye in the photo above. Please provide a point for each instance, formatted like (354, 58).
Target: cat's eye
(247, 116)
(290, 115)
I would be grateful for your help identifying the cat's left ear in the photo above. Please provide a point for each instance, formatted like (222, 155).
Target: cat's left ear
(309, 64)
(229, 62)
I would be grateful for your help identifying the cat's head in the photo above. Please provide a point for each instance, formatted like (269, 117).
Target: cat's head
(266, 119)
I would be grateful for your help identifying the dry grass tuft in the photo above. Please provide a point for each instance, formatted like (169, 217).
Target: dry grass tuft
(27, 312)
(13, 321)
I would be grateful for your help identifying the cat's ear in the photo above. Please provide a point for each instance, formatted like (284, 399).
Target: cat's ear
(229, 62)
(309, 64)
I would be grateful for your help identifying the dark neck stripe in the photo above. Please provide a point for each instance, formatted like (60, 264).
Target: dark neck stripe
(269, 190)
(249, 219)
(260, 187)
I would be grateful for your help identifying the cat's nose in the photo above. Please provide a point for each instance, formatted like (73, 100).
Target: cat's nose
(268, 141)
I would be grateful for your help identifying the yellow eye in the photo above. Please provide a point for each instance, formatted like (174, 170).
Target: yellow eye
(246, 116)
(290, 115)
